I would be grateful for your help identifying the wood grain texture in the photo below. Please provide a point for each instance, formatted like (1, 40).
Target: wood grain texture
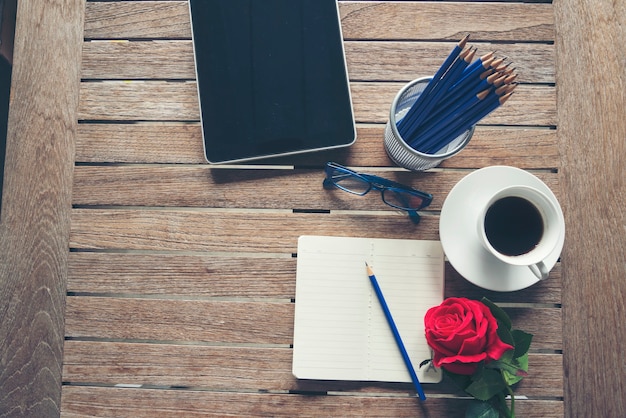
(142, 185)
(214, 276)
(182, 144)
(396, 61)
(592, 132)
(225, 230)
(232, 322)
(266, 368)
(544, 292)
(531, 105)
(146, 403)
(175, 274)
(180, 320)
(400, 20)
(36, 202)
(182, 275)
(360, 20)
(137, 19)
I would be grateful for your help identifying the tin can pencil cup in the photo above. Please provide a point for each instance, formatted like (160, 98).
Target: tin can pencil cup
(403, 154)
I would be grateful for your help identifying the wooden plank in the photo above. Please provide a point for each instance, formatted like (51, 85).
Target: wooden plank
(367, 60)
(153, 142)
(443, 20)
(258, 368)
(36, 202)
(546, 292)
(196, 276)
(151, 185)
(217, 230)
(208, 367)
(404, 61)
(182, 143)
(227, 321)
(230, 230)
(138, 100)
(360, 20)
(140, 403)
(132, 20)
(138, 60)
(592, 129)
(179, 320)
(531, 105)
(544, 323)
(206, 276)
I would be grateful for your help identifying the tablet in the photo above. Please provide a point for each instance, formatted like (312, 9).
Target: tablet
(272, 78)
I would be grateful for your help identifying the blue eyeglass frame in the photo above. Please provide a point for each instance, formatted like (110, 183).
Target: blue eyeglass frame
(377, 183)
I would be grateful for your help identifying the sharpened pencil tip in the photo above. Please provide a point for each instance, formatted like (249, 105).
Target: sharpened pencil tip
(463, 41)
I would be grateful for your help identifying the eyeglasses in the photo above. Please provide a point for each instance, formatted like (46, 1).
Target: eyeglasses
(393, 194)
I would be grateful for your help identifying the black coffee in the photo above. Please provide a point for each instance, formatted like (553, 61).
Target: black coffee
(513, 225)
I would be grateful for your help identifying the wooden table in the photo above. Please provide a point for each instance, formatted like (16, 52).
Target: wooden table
(139, 281)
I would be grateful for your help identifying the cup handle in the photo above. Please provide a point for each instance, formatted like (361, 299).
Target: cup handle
(540, 270)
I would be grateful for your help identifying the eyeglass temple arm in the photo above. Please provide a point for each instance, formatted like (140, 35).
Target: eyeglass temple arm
(328, 184)
(369, 177)
(385, 182)
(414, 216)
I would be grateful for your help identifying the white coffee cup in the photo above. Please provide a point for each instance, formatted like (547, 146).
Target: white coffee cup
(521, 226)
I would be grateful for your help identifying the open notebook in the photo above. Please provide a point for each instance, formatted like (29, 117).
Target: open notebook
(340, 330)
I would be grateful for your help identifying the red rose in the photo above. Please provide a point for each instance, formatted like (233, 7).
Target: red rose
(462, 333)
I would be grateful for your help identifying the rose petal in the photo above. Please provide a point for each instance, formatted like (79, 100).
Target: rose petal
(460, 368)
(463, 332)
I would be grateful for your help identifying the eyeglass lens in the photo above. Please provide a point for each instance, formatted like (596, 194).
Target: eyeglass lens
(354, 183)
(402, 199)
(350, 182)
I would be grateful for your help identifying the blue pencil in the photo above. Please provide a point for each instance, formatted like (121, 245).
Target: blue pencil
(444, 83)
(446, 120)
(426, 142)
(433, 139)
(446, 116)
(416, 107)
(467, 83)
(490, 102)
(441, 141)
(396, 334)
(477, 67)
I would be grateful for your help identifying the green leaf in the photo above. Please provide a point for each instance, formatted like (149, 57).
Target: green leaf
(478, 374)
(479, 409)
(505, 335)
(491, 384)
(511, 377)
(513, 369)
(498, 313)
(460, 380)
(522, 342)
(506, 358)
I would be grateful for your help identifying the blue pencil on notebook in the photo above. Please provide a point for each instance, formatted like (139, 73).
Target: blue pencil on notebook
(396, 333)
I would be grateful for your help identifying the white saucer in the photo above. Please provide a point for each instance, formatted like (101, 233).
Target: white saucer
(459, 235)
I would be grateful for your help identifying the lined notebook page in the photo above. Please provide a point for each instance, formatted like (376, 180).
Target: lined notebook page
(340, 330)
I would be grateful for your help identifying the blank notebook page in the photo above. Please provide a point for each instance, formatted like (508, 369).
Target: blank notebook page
(340, 330)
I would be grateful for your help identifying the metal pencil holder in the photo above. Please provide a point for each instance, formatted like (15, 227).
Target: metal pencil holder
(401, 152)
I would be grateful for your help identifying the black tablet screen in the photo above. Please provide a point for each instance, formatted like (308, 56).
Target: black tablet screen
(271, 77)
